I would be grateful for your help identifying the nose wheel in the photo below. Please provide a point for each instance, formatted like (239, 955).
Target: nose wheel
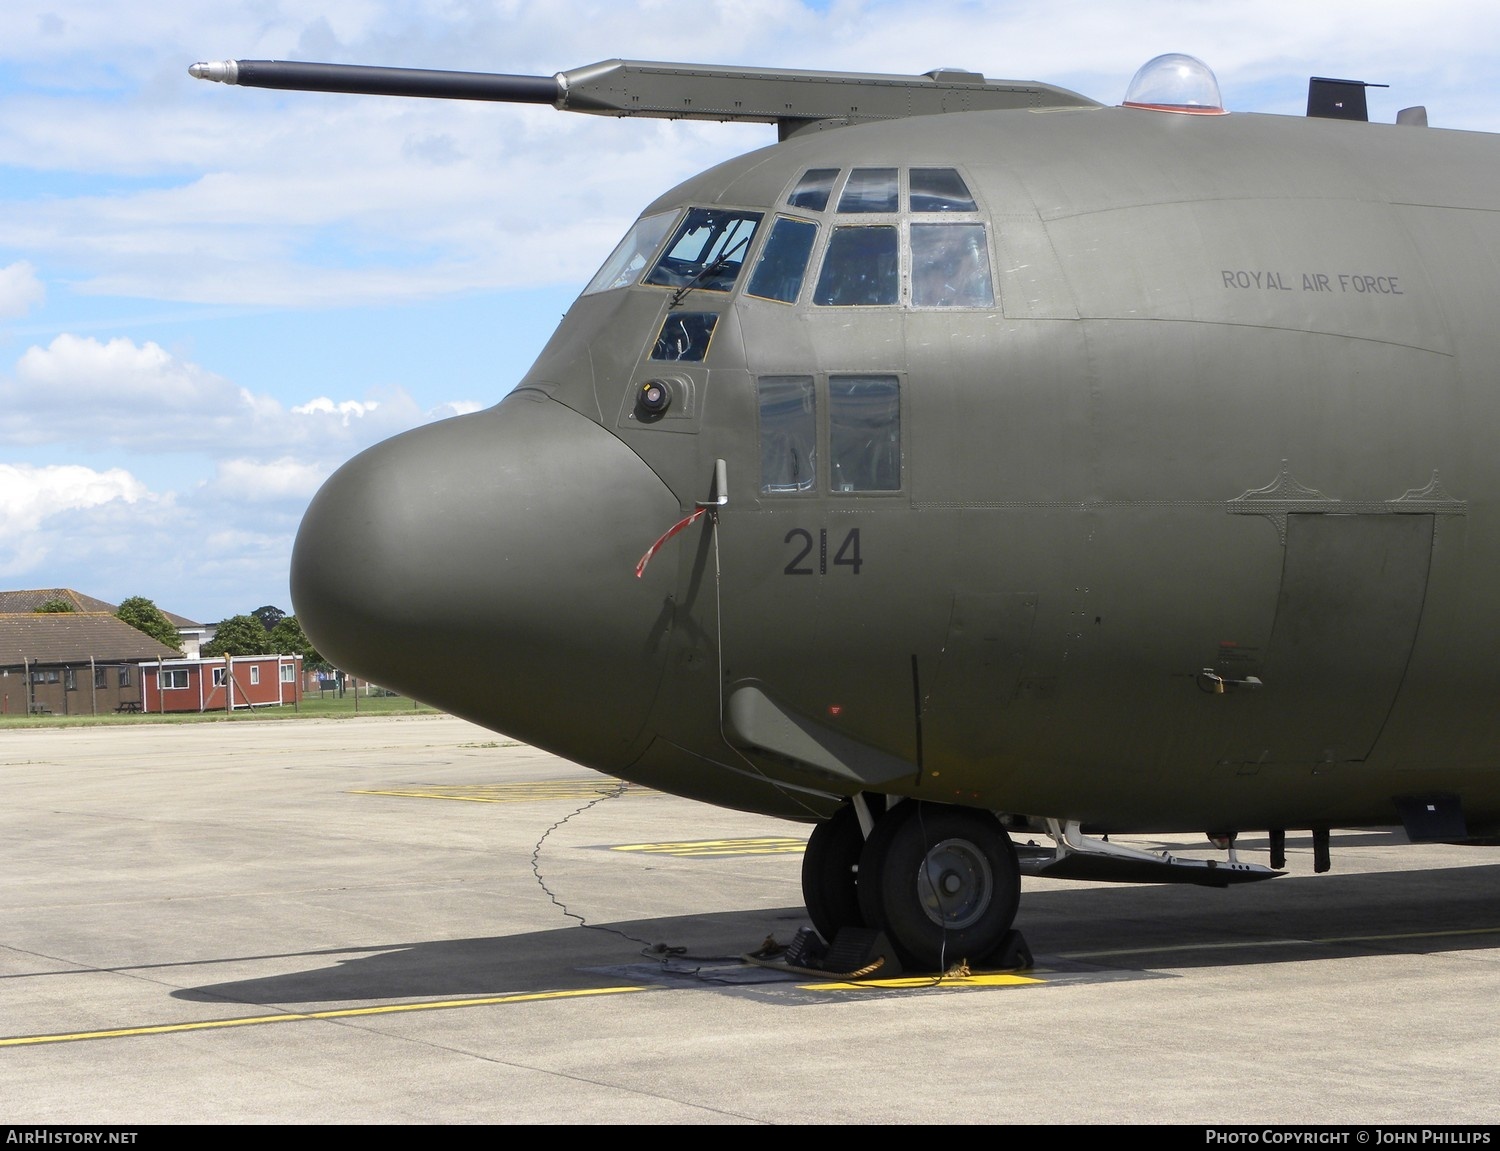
(830, 873)
(942, 882)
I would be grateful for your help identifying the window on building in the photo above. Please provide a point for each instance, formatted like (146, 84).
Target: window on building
(124, 677)
(101, 677)
(70, 679)
(174, 679)
(254, 674)
(288, 673)
(219, 676)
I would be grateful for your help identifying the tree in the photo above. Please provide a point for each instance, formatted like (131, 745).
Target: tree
(269, 616)
(143, 615)
(54, 607)
(288, 638)
(238, 635)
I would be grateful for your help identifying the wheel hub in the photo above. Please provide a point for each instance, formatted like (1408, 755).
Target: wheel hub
(955, 884)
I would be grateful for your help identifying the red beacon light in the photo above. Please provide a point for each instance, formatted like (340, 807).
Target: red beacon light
(1176, 83)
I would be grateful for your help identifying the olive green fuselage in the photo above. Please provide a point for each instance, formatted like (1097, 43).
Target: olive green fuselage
(1227, 422)
(1190, 528)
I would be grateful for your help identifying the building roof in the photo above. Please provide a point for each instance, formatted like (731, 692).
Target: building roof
(19, 601)
(30, 600)
(74, 638)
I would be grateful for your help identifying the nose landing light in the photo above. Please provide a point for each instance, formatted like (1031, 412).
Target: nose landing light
(654, 398)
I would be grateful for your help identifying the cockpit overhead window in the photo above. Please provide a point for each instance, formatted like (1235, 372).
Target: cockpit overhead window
(860, 267)
(629, 258)
(939, 190)
(783, 261)
(707, 251)
(813, 190)
(871, 190)
(950, 267)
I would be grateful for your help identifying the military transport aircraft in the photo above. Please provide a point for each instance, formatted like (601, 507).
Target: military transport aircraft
(976, 461)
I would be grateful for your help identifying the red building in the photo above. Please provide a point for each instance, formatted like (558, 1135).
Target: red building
(221, 684)
(71, 663)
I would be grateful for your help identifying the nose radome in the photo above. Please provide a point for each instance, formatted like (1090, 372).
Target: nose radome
(486, 565)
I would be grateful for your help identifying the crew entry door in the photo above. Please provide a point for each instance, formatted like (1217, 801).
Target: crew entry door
(1352, 589)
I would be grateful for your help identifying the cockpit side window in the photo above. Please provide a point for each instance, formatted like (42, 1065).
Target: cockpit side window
(629, 258)
(871, 190)
(860, 267)
(788, 434)
(813, 190)
(864, 433)
(707, 251)
(783, 261)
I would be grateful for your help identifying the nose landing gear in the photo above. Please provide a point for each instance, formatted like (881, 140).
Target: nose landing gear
(942, 882)
(830, 873)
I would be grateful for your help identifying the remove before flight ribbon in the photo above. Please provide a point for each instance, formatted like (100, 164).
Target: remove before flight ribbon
(665, 536)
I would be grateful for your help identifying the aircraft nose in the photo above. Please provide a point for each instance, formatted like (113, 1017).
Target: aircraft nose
(486, 565)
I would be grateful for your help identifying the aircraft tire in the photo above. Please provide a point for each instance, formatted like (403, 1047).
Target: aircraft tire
(943, 883)
(830, 873)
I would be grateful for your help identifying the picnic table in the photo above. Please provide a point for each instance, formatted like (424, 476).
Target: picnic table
(130, 705)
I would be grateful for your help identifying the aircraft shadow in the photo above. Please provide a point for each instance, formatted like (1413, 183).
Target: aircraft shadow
(1121, 928)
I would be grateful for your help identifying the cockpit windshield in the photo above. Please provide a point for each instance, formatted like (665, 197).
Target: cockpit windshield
(628, 260)
(707, 251)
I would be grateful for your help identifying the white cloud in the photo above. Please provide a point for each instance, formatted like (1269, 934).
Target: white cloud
(346, 410)
(141, 397)
(20, 290)
(29, 494)
(204, 556)
(300, 199)
(264, 481)
(118, 372)
(33, 497)
(104, 532)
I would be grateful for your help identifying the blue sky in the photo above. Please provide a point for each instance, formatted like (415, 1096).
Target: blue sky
(211, 296)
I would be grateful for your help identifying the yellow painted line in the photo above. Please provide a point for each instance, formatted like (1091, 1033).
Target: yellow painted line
(929, 981)
(510, 792)
(1311, 942)
(297, 1017)
(770, 845)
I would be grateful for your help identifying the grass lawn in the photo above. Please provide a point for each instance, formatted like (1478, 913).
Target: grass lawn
(329, 706)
